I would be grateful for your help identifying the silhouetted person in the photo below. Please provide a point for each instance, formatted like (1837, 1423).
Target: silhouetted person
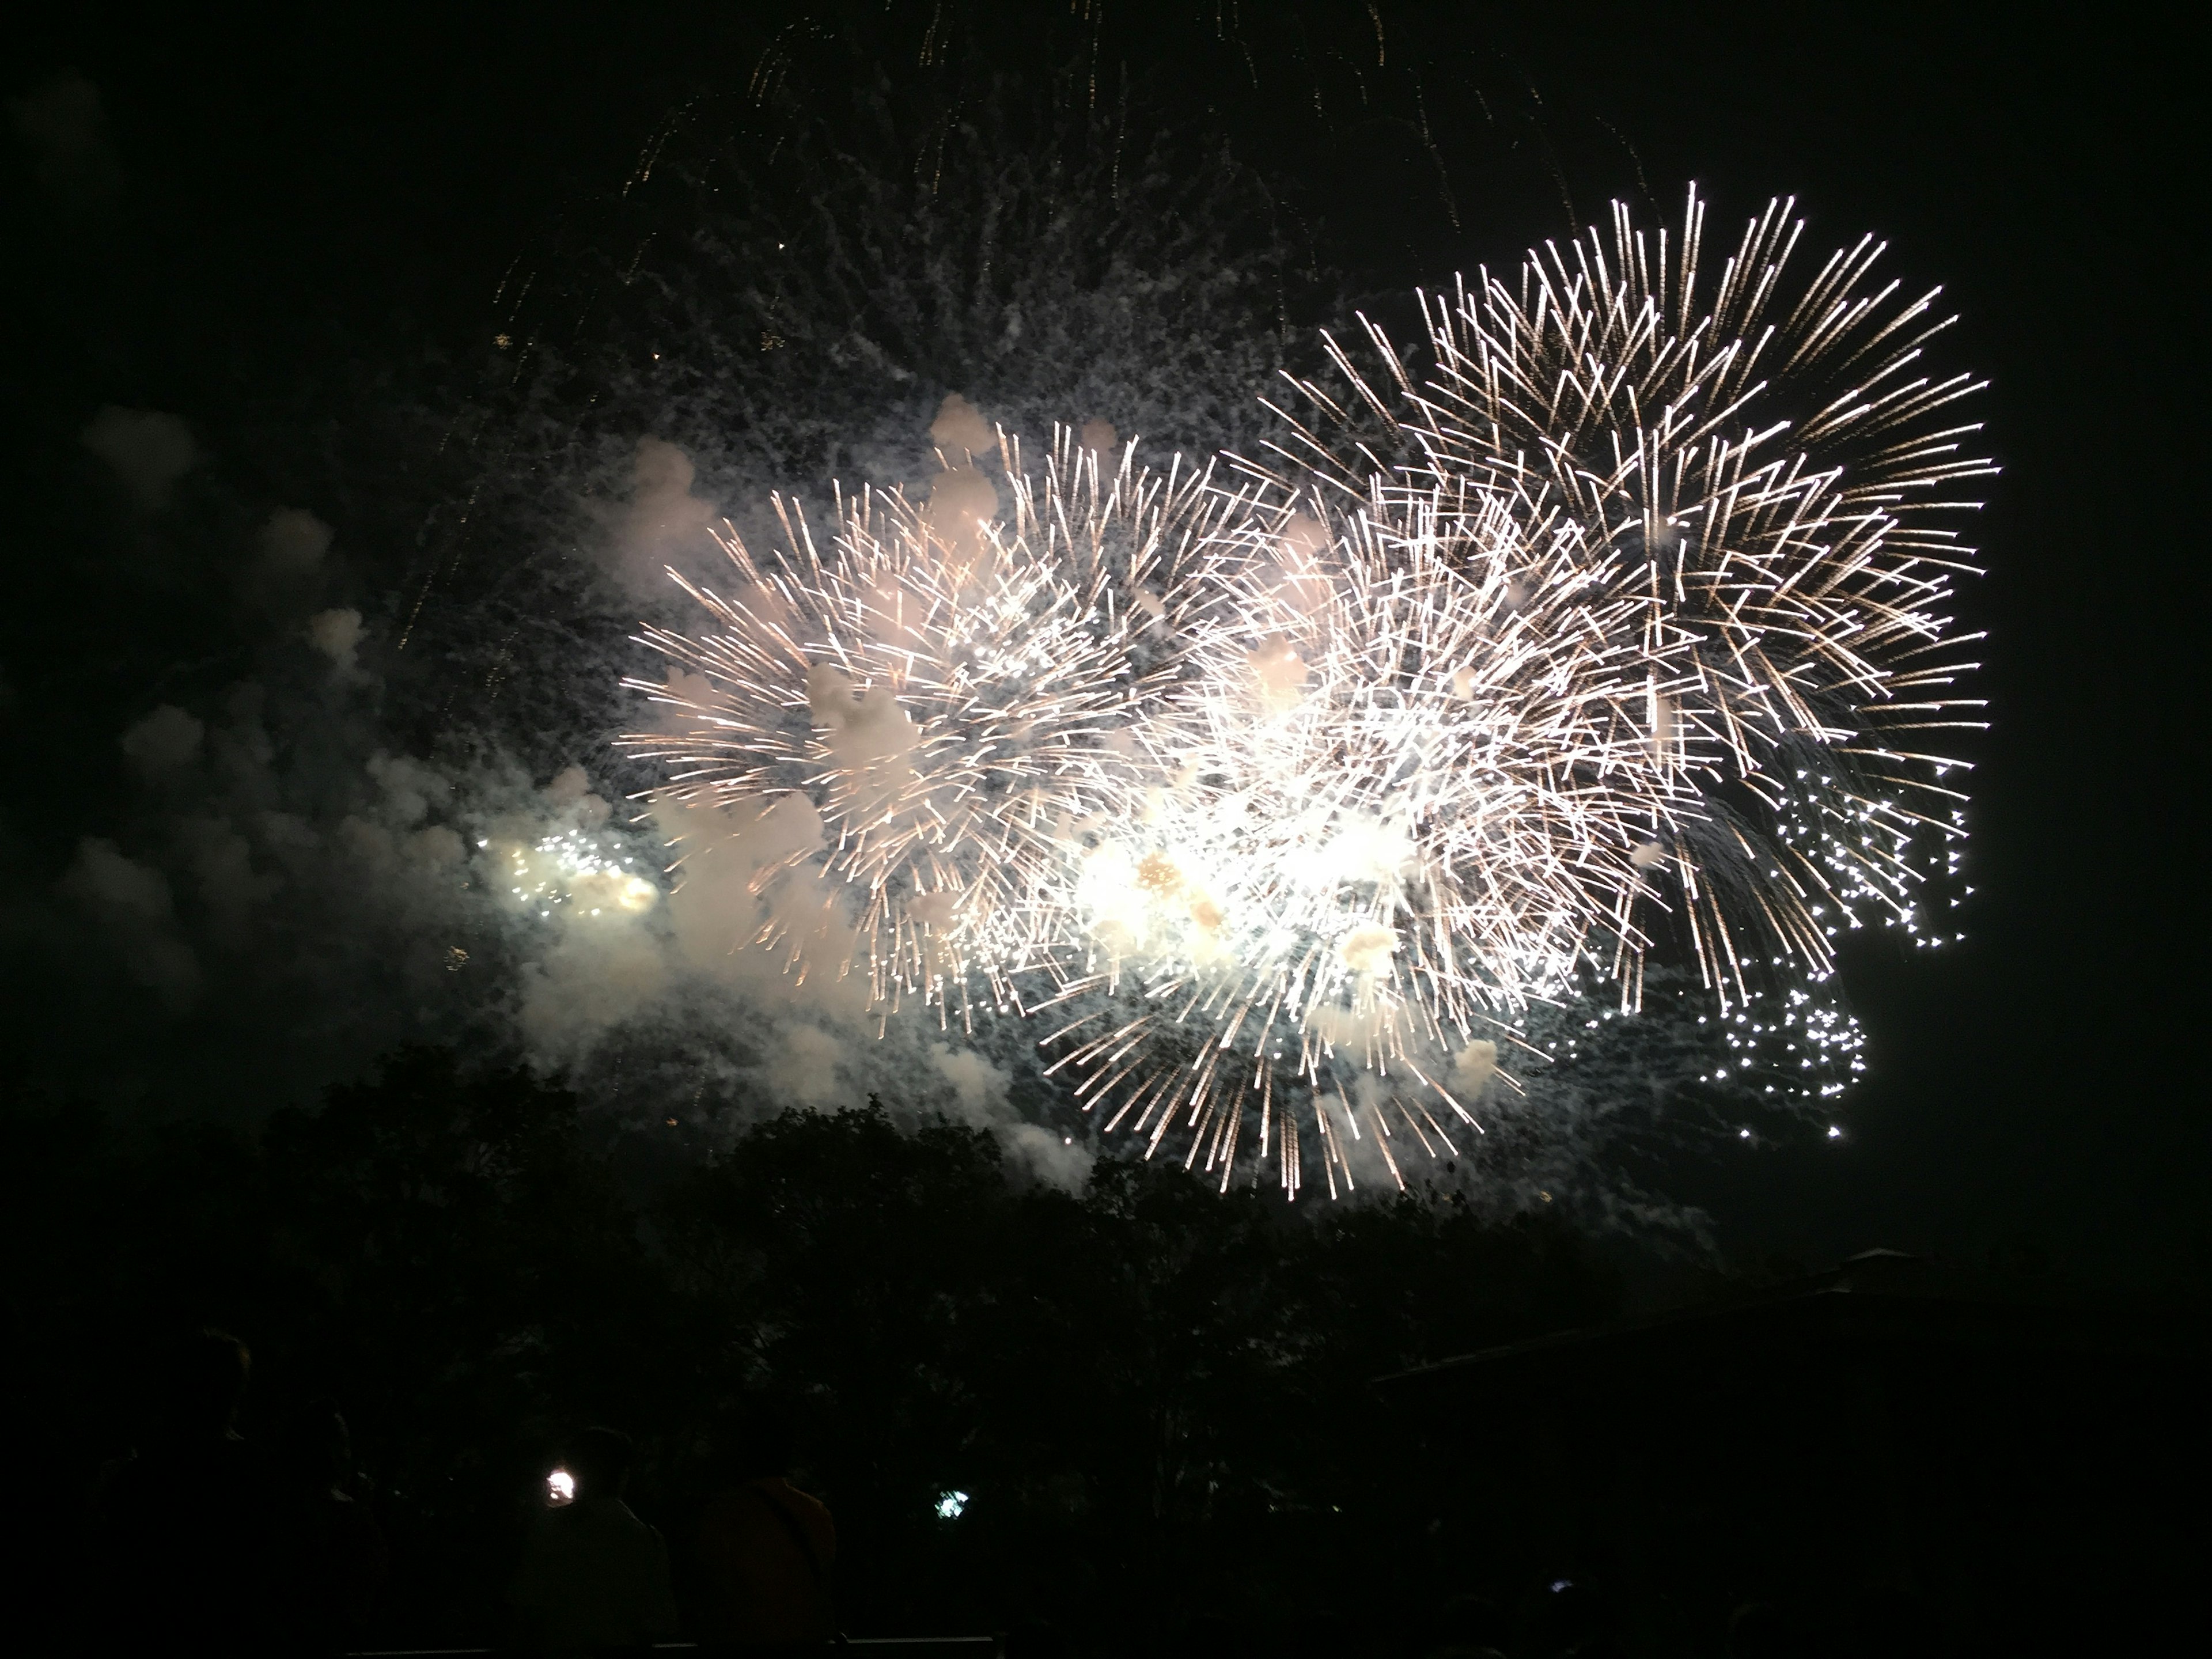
(331, 1556)
(186, 1524)
(765, 1552)
(594, 1577)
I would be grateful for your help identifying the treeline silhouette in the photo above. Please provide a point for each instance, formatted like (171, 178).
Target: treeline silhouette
(1155, 1397)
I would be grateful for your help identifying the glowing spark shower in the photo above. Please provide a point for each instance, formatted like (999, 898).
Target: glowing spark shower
(1305, 807)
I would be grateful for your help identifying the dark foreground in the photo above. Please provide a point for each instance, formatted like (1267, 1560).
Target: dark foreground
(1177, 1421)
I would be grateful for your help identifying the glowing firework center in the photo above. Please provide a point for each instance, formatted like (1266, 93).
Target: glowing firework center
(1388, 832)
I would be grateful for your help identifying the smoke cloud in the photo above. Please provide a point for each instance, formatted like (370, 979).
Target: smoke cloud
(165, 741)
(131, 901)
(64, 124)
(146, 450)
(661, 523)
(338, 634)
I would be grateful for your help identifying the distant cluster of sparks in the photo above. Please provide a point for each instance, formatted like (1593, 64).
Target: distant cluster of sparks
(1601, 629)
(569, 870)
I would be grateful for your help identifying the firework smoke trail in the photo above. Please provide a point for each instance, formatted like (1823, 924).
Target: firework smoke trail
(1300, 797)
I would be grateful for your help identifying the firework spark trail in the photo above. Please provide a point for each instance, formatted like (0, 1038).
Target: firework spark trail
(1294, 797)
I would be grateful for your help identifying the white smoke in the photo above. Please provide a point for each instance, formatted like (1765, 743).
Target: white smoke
(981, 1097)
(131, 901)
(872, 737)
(230, 889)
(148, 451)
(291, 562)
(661, 523)
(960, 434)
(165, 742)
(338, 634)
(294, 542)
(806, 1066)
(977, 1085)
(595, 977)
(1473, 1068)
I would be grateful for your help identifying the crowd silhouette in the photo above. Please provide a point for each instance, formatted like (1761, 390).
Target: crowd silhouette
(1142, 1417)
(205, 1541)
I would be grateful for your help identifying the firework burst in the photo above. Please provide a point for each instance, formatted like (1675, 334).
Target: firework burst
(1605, 629)
(1607, 633)
(1405, 785)
(1754, 483)
(952, 690)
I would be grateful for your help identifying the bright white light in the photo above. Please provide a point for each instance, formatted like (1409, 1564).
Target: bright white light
(1834, 1133)
(1338, 762)
(949, 1505)
(560, 1488)
(572, 869)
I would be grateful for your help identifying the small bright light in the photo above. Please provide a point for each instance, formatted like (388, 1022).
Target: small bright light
(560, 1488)
(1743, 1134)
(1834, 1133)
(949, 1505)
(1558, 1585)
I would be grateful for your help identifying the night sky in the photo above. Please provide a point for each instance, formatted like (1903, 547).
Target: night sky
(274, 223)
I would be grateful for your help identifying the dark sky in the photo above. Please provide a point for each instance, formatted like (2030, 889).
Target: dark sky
(310, 173)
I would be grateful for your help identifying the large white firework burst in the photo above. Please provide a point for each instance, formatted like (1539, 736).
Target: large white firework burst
(1611, 628)
(951, 690)
(1759, 480)
(1603, 628)
(1405, 784)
